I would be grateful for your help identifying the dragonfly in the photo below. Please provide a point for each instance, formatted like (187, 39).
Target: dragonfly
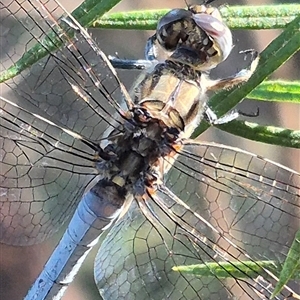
(76, 144)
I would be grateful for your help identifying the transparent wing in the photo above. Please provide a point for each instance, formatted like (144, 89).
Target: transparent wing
(72, 86)
(45, 168)
(44, 171)
(236, 212)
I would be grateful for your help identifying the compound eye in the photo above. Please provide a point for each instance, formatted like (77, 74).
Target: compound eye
(169, 29)
(173, 16)
(218, 32)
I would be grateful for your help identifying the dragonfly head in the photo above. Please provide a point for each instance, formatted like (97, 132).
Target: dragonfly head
(196, 36)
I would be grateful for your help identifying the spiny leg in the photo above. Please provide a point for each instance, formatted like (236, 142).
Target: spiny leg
(237, 79)
(228, 83)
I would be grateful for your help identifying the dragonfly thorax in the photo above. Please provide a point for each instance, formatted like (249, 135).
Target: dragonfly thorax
(136, 154)
(174, 95)
(169, 103)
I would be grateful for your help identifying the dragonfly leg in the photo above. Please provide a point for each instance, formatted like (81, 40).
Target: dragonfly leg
(129, 64)
(138, 64)
(238, 78)
(213, 119)
(228, 83)
(151, 52)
